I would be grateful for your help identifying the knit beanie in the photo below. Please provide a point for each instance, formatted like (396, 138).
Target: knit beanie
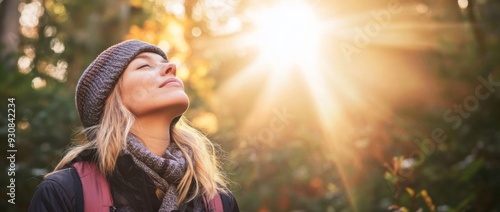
(100, 78)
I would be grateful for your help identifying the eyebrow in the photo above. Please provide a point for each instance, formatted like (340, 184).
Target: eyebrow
(147, 57)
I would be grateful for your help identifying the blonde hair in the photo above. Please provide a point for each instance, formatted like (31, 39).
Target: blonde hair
(109, 138)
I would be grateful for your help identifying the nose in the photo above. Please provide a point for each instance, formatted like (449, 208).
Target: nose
(169, 68)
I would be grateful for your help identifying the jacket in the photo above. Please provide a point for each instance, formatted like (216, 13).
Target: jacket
(131, 188)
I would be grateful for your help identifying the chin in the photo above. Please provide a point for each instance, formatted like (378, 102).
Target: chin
(174, 104)
(180, 106)
(177, 104)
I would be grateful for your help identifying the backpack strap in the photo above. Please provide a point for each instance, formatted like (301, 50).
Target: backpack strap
(78, 191)
(214, 204)
(96, 192)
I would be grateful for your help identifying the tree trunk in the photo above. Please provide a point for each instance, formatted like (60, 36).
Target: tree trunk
(9, 27)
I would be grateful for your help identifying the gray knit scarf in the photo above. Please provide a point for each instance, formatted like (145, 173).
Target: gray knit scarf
(166, 172)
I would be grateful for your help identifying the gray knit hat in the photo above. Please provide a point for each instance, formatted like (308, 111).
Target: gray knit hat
(99, 79)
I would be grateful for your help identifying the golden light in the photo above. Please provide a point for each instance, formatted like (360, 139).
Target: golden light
(207, 122)
(38, 83)
(287, 35)
(463, 3)
(286, 32)
(342, 101)
(23, 64)
(57, 46)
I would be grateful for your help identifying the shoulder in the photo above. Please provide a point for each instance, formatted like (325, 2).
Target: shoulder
(65, 178)
(57, 192)
(62, 181)
(229, 202)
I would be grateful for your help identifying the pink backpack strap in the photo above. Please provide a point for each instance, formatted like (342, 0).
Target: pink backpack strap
(96, 192)
(213, 205)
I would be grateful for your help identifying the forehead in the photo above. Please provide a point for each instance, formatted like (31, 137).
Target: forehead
(150, 56)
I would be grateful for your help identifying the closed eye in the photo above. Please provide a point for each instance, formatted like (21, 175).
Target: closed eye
(144, 66)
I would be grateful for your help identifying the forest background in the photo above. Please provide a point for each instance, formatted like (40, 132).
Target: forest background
(321, 105)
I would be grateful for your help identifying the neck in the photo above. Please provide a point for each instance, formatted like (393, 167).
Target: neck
(154, 132)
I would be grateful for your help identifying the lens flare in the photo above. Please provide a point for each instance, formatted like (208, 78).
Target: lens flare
(286, 32)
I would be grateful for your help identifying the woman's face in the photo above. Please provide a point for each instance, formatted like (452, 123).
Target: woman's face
(149, 86)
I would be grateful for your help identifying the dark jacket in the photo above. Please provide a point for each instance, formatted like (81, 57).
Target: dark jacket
(131, 188)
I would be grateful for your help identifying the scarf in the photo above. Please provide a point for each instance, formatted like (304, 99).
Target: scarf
(166, 172)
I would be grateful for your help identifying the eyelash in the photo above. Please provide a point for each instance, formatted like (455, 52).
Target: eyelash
(145, 65)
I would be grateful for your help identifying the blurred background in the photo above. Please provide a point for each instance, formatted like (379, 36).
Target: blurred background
(320, 105)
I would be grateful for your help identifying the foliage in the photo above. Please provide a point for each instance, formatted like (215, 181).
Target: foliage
(385, 145)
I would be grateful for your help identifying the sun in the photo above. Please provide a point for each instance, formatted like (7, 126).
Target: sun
(287, 32)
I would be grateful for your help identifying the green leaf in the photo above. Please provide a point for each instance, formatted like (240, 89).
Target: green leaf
(471, 170)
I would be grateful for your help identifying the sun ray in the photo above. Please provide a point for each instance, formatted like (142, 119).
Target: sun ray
(339, 94)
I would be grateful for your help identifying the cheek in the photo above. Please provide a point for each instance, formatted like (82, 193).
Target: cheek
(131, 97)
(137, 88)
(133, 92)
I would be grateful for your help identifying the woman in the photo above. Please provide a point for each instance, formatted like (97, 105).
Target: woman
(139, 153)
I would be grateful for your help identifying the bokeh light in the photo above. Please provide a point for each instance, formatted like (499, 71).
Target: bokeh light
(463, 3)
(38, 83)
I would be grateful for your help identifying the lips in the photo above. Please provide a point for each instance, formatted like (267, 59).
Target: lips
(173, 81)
